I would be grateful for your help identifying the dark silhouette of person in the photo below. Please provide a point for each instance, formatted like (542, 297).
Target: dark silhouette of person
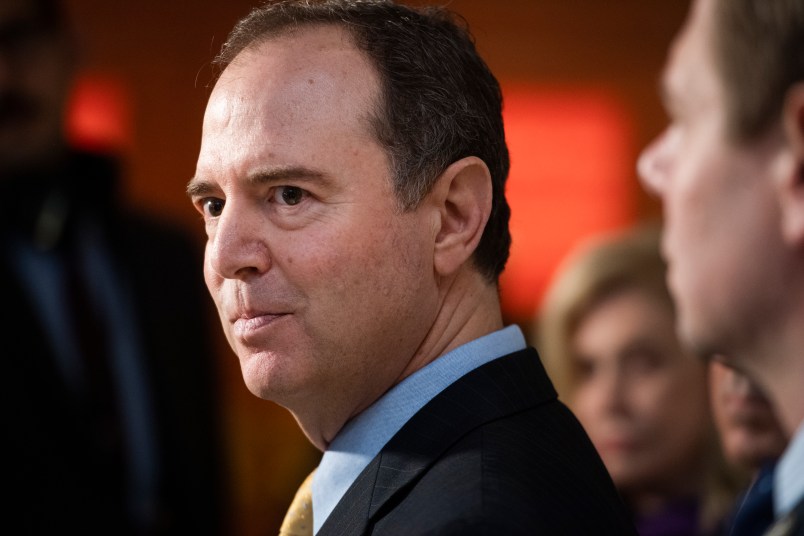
(108, 386)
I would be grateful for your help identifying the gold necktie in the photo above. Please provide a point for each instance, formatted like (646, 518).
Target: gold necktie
(299, 519)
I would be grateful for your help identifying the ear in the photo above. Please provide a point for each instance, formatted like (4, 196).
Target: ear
(463, 197)
(793, 181)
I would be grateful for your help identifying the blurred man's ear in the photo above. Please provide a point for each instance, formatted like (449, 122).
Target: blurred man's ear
(793, 185)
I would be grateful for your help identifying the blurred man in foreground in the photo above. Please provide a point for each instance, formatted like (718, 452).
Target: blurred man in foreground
(730, 171)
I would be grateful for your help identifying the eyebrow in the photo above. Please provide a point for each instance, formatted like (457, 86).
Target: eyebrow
(201, 187)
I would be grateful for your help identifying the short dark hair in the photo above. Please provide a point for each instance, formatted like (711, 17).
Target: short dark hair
(759, 50)
(439, 102)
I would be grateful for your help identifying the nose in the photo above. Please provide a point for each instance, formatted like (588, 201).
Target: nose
(738, 383)
(742, 385)
(606, 392)
(613, 392)
(237, 246)
(653, 163)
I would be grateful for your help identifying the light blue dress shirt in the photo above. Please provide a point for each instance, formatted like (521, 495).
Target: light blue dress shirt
(788, 481)
(364, 436)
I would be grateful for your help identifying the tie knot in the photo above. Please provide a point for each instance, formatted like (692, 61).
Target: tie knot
(299, 518)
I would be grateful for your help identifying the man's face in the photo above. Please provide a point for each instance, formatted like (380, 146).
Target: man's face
(749, 430)
(722, 235)
(324, 287)
(35, 72)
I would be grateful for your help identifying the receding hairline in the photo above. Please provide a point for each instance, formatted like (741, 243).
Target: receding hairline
(370, 112)
(374, 108)
(230, 53)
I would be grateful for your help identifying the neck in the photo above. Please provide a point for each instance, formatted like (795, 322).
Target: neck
(467, 309)
(776, 364)
(782, 382)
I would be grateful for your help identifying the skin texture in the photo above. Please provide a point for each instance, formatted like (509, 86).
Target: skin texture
(749, 430)
(733, 230)
(640, 397)
(35, 75)
(328, 293)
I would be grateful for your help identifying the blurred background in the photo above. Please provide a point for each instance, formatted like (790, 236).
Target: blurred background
(580, 82)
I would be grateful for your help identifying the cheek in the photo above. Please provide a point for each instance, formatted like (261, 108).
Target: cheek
(689, 204)
(702, 166)
(660, 402)
(340, 265)
(214, 285)
(586, 406)
(358, 277)
(377, 258)
(213, 281)
(720, 414)
(683, 411)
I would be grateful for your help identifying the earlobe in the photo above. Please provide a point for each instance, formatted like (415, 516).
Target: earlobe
(463, 193)
(793, 186)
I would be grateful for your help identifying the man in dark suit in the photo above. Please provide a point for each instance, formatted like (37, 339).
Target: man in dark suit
(351, 177)
(108, 397)
(730, 173)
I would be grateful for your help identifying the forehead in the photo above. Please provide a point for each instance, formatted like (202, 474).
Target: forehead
(302, 75)
(690, 71)
(299, 99)
(647, 313)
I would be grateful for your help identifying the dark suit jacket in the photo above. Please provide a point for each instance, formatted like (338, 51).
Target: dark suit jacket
(752, 513)
(495, 453)
(53, 483)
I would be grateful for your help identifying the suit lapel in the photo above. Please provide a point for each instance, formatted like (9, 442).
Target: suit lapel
(499, 388)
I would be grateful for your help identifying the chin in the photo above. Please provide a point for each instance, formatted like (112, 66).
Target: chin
(627, 480)
(260, 375)
(752, 452)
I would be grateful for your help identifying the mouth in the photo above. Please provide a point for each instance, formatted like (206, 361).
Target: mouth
(249, 325)
(619, 443)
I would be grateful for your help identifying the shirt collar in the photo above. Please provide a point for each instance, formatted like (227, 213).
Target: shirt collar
(362, 438)
(788, 483)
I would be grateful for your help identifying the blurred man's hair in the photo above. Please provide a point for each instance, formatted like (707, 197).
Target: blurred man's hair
(759, 50)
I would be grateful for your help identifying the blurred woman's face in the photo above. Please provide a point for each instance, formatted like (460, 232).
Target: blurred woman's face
(641, 399)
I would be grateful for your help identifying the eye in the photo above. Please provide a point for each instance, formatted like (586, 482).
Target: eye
(289, 195)
(642, 359)
(212, 207)
(583, 368)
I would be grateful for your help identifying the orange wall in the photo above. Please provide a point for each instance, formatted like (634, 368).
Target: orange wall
(159, 51)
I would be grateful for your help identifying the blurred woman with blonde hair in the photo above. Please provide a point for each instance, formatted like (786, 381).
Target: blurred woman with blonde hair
(606, 332)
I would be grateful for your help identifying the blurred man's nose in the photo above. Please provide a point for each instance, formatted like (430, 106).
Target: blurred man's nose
(647, 170)
(653, 164)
